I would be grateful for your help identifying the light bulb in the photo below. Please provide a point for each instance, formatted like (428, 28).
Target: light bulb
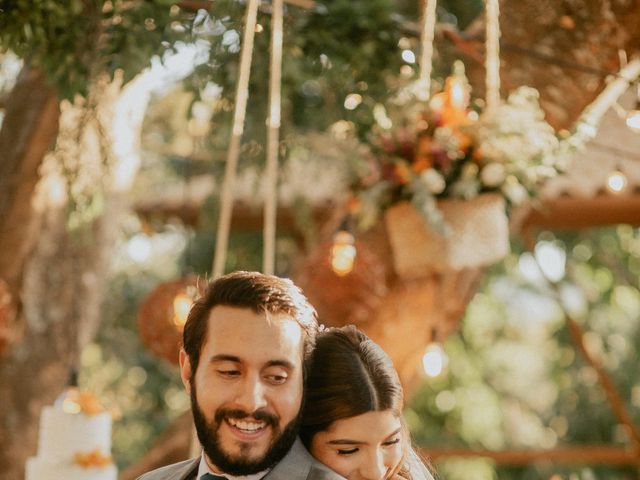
(343, 253)
(552, 260)
(457, 94)
(633, 119)
(434, 360)
(617, 181)
(181, 306)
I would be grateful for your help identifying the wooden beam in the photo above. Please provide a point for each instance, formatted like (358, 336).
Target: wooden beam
(245, 218)
(585, 454)
(572, 213)
(564, 213)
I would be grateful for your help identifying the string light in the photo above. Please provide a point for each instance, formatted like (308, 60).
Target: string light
(458, 93)
(434, 360)
(343, 253)
(616, 181)
(633, 119)
(181, 305)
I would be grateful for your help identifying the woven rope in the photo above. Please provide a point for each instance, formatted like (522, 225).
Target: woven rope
(426, 55)
(492, 58)
(273, 133)
(242, 94)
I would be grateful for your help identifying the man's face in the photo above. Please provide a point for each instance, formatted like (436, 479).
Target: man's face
(247, 389)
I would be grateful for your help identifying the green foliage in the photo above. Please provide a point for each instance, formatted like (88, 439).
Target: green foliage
(144, 390)
(515, 378)
(339, 47)
(75, 40)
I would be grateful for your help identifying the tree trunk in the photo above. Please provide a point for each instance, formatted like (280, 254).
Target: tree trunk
(28, 131)
(64, 277)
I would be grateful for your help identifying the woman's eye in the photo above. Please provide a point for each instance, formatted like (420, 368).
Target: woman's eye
(349, 451)
(391, 442)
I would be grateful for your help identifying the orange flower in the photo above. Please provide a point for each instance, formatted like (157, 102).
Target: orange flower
(94, 458)
(422, 159)
(89, 403)
(353, 204)
(453, 116)
(402, 172)
(420, 164)
(464, 140)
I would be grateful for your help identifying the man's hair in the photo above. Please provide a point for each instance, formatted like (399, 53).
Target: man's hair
(255, 291)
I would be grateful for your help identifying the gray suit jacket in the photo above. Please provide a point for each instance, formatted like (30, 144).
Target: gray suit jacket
(298, 464)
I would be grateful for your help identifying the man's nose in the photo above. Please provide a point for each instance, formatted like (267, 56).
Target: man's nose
(251, 396)
(374, 468)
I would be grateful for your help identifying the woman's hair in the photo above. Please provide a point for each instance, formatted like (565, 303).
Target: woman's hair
(350, 375)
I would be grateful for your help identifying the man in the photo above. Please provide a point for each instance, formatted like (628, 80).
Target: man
(246, 344)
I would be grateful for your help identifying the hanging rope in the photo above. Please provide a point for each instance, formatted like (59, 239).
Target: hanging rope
(273, 132)
(492, 57)
(242, 93)
(426, 54)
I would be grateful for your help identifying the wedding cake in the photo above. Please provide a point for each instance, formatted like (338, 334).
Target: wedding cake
(74, 442)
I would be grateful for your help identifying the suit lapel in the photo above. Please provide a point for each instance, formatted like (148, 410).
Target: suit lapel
(188, 472)
(295, 464)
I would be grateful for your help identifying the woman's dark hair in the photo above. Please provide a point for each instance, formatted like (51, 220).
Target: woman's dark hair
(255, 291)
(350, 375)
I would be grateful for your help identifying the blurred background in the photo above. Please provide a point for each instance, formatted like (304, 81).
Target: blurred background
(115, 122)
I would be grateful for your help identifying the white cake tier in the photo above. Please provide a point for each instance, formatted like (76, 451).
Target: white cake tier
(41, 469)
(62, 434)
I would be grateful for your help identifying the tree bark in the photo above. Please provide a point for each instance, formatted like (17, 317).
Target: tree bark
(63, 281)
(28, 131)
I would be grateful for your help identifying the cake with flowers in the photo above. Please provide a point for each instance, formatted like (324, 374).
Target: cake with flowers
(74, 442)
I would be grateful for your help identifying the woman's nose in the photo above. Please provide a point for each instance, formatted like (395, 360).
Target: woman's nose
(374, 468)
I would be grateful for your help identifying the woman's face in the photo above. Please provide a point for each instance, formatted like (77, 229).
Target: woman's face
(365, 447)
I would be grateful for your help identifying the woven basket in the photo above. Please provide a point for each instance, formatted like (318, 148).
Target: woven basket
(341, 300)
(156, 327)
(479, 236)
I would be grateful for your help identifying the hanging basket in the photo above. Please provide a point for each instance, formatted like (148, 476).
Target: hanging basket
(478, 236)
(162, 313)
(340, 300)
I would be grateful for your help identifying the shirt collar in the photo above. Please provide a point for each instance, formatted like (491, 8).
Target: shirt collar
(204, 468)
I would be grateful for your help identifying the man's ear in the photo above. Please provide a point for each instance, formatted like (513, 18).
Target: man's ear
(185, 370)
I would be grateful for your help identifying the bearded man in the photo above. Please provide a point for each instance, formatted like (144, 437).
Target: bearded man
(246, 345)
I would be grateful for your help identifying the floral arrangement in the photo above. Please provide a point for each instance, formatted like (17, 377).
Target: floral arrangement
(447, 149)
(76, 401)
(92, 459)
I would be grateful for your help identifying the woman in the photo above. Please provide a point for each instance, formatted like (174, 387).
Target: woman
(352, 418)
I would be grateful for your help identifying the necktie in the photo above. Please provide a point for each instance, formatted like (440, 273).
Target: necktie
(209, 476)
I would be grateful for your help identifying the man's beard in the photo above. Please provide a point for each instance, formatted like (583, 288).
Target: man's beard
(242, 464)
